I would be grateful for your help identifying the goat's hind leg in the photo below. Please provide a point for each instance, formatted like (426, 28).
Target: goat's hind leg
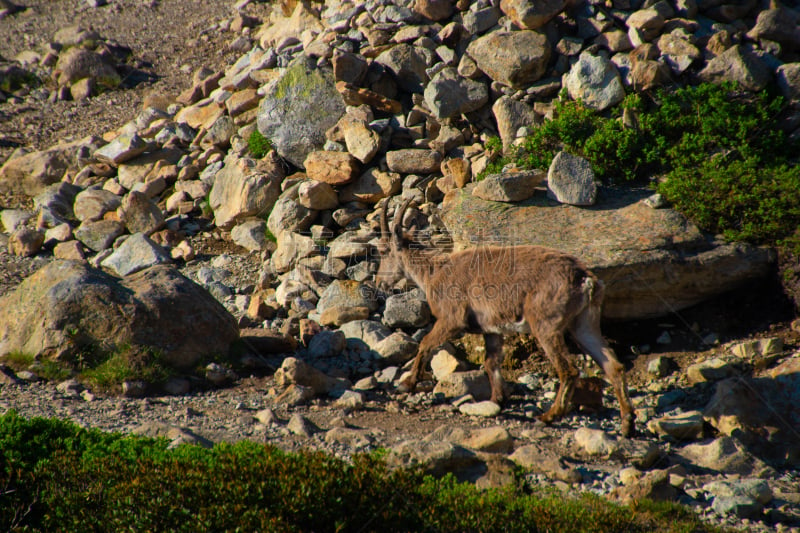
(586, 333)
(438, 335)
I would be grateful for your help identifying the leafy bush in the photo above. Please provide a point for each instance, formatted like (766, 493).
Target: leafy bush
(719, 153)
(56, 476)
(258, 145)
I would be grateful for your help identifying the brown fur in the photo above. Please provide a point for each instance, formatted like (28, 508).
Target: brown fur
(486, 289)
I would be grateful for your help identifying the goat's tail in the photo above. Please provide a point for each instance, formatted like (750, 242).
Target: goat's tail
(593, 288)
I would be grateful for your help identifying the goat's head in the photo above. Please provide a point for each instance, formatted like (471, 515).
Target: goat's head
(390, 246)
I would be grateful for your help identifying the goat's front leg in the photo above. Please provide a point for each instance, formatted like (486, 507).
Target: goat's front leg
(438, 335)
(556, 351)
(492, 365)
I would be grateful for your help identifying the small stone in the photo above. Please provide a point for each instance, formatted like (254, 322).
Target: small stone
(685, 426)
(25, 242)
(300, 425)
(484, 409)
(509, 186)
(714, 369)
(267, 417)
(595, 441)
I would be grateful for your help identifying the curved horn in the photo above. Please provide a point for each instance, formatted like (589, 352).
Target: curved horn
(384, 219)
(397, 229)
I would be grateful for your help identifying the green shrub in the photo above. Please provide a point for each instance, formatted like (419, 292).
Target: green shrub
(258, 145)
(56, 476)
(719, 153)
(123, 364)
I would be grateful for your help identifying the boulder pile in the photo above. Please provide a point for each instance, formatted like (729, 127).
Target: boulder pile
(363, 103)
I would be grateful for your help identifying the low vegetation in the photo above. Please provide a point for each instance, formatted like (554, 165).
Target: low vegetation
(716, 153)
(258, 145)
(56, 476)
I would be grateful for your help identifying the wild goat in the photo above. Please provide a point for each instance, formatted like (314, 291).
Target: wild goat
(501, 290)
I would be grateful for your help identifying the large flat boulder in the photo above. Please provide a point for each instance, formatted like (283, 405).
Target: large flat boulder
(653, 261)
(67, 306)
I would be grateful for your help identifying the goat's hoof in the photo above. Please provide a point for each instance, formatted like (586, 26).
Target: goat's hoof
(404, 386)
(628, 428)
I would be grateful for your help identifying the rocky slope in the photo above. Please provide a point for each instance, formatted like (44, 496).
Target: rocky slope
(366, 102)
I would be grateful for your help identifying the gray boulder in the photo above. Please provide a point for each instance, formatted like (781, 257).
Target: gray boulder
(136, 253)
(595, 81)
(407, 310)
(449, 94)
(243, 188)
(571, 180)
(653, 261)
(529, 14)
(155, 309)
(738, 65)
(516, 58)
(298, 108)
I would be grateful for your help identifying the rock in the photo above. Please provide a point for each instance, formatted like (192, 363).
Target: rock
(333, 168)
(362, 141)
(371, 187)
(30, 174)
(349, 246)
(317, 195)
(531, 15)
(523, 61)
(542, 461)
(407, 310)
(647, 23)
(267, 417)
(683, 268)
(250, 234)
(11, 219)
(779, 25)
(744, 498)
(724, 455)
(327, 344)
(346, 293)
(737, 65)
(413, 161)
(300, 425)
(354, 438)
(138, 169)
(457, 169)
(765, 347)
(443, 363)
(124, 147)
(509, 186)
(396, 349)
(458, 384)
(291, 248)
(595, 441)
(511, 115)
(788, 80)
(449, 94)
(713, 369)
(99, 235)
(92, 204)
(77, 63)
(176, 435)
(70, 250)
(25, 242)
(685, 426)
(137, 253)
(434, 10)
(350, 400)
(244, 188)
(408, 64)
(340, 315)
(297, 130)
(653, 485)
(495, 439)
(219, 375)
(140, 215)
(486, 409)
(294, 371)
(437, 457)
(595, 81)
(265, 341)
(679, 53)
(369, 332)
(60, 300)
(659, 366)
(288, 214)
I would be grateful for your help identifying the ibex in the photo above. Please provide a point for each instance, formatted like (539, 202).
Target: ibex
(500, 290)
